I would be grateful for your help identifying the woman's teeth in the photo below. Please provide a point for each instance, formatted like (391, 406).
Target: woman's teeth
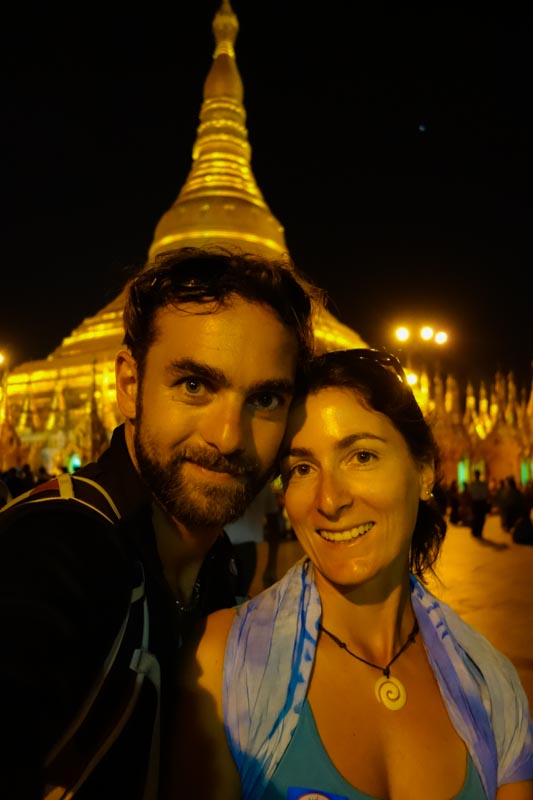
(346, 536)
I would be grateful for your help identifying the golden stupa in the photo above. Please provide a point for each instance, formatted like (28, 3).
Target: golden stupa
(61, 410)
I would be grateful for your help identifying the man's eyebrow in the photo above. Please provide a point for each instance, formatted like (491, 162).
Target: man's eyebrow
(274, 386)
(216, 376)
(198, 369)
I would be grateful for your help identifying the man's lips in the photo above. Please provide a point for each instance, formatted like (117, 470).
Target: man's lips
(217, 474)
(222, 468)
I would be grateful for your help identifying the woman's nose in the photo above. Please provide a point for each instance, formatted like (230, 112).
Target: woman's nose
(333, 496)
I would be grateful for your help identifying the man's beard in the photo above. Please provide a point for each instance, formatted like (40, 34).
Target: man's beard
(198, 503)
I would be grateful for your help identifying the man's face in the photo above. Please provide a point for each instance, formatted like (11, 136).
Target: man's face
(212, 408)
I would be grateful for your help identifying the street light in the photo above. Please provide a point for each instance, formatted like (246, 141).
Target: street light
(416, 345)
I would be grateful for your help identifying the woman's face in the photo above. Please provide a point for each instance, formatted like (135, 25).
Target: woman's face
(351, 488)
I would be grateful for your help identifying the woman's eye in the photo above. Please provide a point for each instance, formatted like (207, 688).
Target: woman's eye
(300, 469)
(364, 456)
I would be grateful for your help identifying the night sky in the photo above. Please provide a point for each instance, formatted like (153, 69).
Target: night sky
(394, 147)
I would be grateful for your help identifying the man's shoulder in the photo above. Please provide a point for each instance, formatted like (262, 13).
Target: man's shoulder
(61, 526)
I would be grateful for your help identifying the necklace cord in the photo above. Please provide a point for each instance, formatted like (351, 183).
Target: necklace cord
(386, 669)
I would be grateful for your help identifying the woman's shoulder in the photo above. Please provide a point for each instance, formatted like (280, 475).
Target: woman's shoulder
(202, 659)
(211, 645)
(217, 625)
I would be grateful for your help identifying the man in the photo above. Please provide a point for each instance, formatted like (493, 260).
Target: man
(204, 381)
(5, 494)
(479, 494)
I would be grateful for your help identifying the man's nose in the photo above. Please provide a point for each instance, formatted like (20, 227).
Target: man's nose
(224, 426)
(333, 495)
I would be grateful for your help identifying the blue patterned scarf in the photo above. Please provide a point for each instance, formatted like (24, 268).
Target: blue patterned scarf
(270, 653)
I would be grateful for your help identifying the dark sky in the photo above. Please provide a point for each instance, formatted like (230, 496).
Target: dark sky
(394, 146)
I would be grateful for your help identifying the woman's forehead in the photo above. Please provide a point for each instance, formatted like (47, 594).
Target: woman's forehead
(332, 412)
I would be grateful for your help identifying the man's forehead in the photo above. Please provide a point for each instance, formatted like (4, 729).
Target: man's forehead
(232, 304)
(241, 336)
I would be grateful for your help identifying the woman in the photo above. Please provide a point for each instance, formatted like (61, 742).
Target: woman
(347, 678)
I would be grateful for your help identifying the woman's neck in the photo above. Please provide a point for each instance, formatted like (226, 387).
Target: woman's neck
(373, 619)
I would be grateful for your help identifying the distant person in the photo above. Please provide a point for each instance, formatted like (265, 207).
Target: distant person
(513, 504)
(453, 502)
(42, 475)
(479, 496)
(348, 678)
(522, 530)
(14, 482)
(260, 526)
(27, 477)
(5, 494)
(465, 506)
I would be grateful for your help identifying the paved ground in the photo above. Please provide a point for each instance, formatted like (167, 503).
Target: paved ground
(489, 583)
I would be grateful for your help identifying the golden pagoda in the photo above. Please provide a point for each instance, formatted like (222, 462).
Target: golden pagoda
(60, 411)
(60, 399)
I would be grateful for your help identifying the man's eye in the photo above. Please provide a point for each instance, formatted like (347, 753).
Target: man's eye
(267, 400)
(364, 456)
(192, 385)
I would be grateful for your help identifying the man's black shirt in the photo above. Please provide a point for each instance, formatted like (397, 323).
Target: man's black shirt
(66, 578)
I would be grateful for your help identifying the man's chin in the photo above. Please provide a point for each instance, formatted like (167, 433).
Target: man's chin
(214, 506)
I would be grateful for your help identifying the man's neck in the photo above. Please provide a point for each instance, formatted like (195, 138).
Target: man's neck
(181, 551)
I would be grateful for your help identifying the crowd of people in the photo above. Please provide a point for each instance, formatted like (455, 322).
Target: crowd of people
(17, 480)
(344, 678)
(470, 504)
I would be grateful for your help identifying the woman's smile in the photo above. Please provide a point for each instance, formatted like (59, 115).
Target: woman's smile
(348, 535)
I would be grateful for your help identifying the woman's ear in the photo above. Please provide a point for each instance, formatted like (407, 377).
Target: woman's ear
(127, 384)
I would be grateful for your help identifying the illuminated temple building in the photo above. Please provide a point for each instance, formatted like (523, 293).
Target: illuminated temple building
(61, 410)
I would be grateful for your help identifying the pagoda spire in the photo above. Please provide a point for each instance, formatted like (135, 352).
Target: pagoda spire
(220, 201)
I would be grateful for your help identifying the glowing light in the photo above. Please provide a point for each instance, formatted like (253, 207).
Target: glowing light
(402, 334)
(441, 337)
(426, 333)
(412, 378)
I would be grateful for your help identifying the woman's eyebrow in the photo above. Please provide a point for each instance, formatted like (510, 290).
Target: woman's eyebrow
(352, 438)
(342, 444)
(297, 452)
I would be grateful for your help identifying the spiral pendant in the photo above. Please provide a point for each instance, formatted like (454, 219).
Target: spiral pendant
(391, 692)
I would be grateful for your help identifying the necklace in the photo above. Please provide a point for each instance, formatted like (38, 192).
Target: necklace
(389, 691)
(191, 606)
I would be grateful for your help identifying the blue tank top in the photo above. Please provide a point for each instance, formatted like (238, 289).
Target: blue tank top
(305, 771)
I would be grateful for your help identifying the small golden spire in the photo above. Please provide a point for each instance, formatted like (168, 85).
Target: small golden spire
(220, 201)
